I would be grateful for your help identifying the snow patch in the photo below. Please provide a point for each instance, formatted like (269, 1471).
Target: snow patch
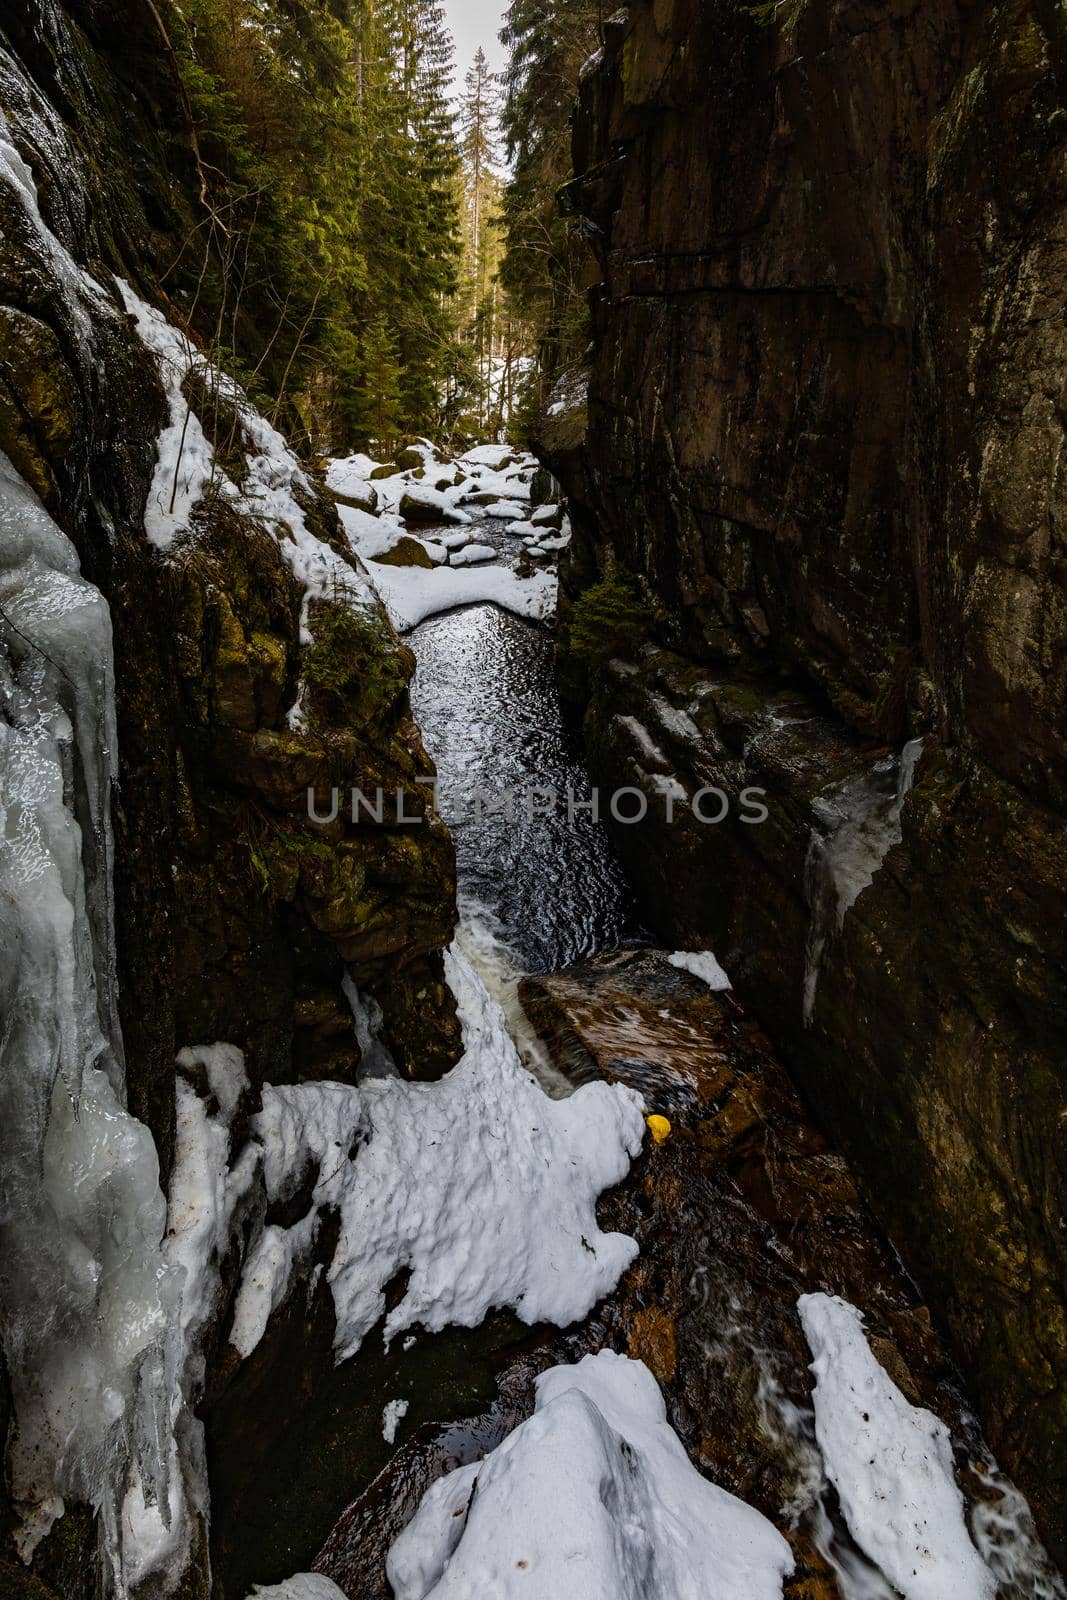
(301, 1586)
(702, 964)
(350, 474)
(186, 469)
(393, 1415)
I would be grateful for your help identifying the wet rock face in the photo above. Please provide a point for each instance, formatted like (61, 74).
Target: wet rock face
(824, 414)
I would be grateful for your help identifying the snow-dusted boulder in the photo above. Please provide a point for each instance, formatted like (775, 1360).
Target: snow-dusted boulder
(471, 554)
(548, 516)
(420, 504)
(593, 1496)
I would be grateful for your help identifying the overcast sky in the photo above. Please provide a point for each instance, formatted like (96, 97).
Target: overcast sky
(474, 23)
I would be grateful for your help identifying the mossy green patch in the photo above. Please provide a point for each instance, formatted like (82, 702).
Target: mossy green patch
(355, 670)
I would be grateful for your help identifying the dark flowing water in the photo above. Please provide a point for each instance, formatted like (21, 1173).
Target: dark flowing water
(485, 698)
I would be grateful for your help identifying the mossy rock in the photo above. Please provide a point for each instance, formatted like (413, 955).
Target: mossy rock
(16, 1583)
(365, 499)
(388, 469)
(39, 404)
(235, 609)
(413, 509)
(407, 552)
(356, 671)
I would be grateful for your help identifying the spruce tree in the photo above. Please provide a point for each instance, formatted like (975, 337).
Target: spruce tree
(327, 133)
(546, 264)
(479, 114)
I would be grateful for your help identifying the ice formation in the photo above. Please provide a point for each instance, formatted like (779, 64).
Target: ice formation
(594, 1498)
(861, 822)
(890, 1462)
(38, 125)
(89, 1305)
(479, 1184)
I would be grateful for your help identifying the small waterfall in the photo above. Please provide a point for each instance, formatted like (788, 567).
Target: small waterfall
(861, 823)
(89, 1307)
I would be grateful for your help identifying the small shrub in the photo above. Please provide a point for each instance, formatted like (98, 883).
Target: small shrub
(610, 619)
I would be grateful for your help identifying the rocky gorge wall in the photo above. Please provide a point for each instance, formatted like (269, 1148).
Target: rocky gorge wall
(821, 438)
(236, 918)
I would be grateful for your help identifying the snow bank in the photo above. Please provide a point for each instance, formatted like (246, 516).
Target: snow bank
(411, 594)
(480, 1185)
(593, 1498)
(890, 1462)
(702, 964)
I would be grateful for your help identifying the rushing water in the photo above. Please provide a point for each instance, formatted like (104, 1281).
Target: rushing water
(485, 698)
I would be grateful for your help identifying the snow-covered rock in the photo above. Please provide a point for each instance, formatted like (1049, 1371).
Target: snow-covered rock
(592, 1498)
(301, 1586)
(349, 478)
(271, 488)
(890, 1462)
(506, 509)
(421, 504)
(548, 516)
(493, 456)
(470, 555)
(410, 596)
(479, 1185)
